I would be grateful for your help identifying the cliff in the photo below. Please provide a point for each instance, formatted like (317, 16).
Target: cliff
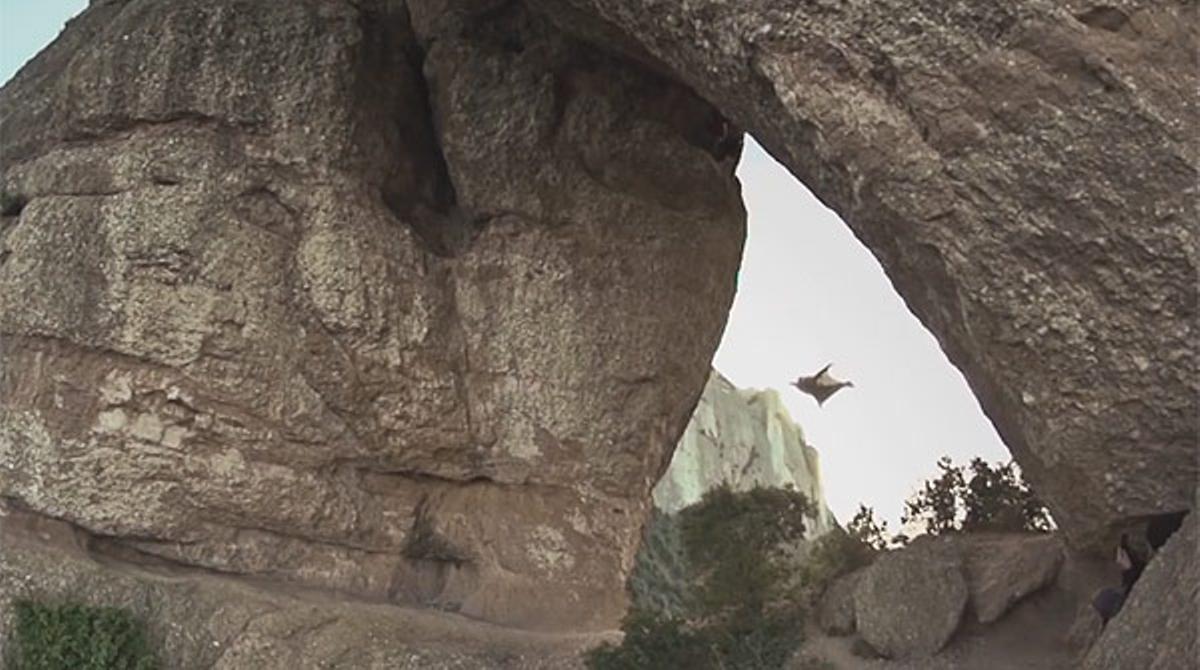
(743, 437)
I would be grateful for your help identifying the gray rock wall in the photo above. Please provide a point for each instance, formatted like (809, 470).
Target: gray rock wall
(407, 302)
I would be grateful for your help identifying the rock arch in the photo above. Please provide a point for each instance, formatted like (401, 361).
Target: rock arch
(412, 299)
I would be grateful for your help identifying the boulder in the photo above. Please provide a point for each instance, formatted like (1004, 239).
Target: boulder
(1159, 625)
(908, 603)
(1003, 568)
(835, 609)
(394, 299)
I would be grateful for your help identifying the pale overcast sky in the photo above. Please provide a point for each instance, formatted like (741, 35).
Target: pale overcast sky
(808, 294)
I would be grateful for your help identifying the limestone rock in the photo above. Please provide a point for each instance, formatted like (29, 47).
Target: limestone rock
(1158, 628)
(410, 306)
(835, 610)
(1026, 174)
(908, 603)
(1003, 568)
(744, 438)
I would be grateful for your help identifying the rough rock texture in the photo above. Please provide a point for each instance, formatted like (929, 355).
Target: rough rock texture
(744, 438)
(1025, 172)
(908, 603)
(835, 611)
(1002, 569)
(199, 621)
(405, 302)
(1158, 628)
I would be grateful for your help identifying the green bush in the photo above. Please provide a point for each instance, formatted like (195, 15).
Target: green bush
(726, 566)
(76, 637)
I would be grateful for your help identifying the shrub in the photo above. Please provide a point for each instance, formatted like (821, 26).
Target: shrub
(49, 637)
(992, 498)
(733, 552)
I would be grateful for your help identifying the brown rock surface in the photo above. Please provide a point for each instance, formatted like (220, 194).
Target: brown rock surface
(909, 602)
(1003, 568)
(1158, 628)
(413, 309)
(1025, 172)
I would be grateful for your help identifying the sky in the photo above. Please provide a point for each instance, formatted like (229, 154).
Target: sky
(808, 294)
(28, 25)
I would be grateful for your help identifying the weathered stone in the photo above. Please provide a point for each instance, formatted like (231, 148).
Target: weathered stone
(1003, 568)
(414, 310)
(1026, 174)
(1158, 628)
(908, 603)
(835, 611)
(197, 621)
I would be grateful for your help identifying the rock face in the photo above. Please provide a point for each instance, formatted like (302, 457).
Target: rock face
(1024, 171)
(909, 602)
(1002, 569)
(409, 302)
(746, 439)
(1158, 628)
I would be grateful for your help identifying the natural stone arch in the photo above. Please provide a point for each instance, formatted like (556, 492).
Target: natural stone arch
(1026, 174)
(254, 318)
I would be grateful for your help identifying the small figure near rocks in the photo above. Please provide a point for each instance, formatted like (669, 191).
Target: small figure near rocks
(1159, 528)
(821, 385)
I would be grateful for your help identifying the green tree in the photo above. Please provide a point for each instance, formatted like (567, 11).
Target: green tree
(742, 611)
(985, 498)
(867, 529)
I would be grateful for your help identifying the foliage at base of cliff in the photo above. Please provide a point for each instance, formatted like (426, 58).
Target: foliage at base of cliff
(741, 610)
(57, 637)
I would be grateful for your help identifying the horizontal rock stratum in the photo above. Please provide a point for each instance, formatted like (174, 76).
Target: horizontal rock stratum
(412, 299)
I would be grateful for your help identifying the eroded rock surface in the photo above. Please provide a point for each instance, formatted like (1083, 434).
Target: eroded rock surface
(1025, 172)
(908, 603)
(409, 302)
(1001, 569)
